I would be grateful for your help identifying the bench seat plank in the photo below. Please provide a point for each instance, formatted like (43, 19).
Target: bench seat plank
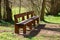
(35, 17)
(24, 22)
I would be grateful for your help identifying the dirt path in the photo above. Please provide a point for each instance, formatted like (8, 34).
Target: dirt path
(45, 29)
(50, 29)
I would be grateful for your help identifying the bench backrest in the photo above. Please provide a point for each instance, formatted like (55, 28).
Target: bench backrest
(23, 16)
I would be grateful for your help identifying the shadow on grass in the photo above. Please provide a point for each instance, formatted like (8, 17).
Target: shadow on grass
(53, 29)
(36, 31)
(57, 16)
(4, 23)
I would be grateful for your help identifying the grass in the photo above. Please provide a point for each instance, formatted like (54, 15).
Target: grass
(12, 36)
(52, 19)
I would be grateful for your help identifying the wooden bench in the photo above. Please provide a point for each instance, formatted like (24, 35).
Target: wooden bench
(25, 22)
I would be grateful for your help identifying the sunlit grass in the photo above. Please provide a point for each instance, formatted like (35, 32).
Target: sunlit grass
(12, 36)
(52, 19)
(8, 36)
(6, 28)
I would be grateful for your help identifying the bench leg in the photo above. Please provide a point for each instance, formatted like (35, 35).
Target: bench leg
(30, 26)
(38, 21)
(33, 22)
(16, 29)
(24, 29)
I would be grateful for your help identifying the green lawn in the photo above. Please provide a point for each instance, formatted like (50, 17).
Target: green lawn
(52, 19)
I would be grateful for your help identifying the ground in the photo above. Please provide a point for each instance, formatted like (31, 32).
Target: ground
(41, 32)
(50, 32)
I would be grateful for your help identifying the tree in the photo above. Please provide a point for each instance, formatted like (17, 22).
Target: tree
(36, 6)
(42, 11)
(19, 6)
(8, 13)
(0, 10)
(54, 7)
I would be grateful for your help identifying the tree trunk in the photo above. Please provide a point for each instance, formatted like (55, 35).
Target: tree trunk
(4, 14)
(8, 14)
(54, 9)
(20, 7)
(42, 11)
(0, 10)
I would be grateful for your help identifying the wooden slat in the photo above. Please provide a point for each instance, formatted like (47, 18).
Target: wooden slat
(16, 21)
(20, 15)
(27, 16)
(23, 18)
(30, 13)
(24, 22)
